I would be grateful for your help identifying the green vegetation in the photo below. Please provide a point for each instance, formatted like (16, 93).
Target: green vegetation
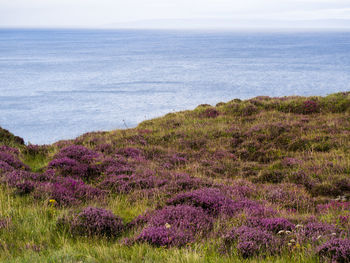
(289, 158)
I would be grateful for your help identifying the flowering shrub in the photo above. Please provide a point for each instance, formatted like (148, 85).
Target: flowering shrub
(214, 202)
(33, 149)
(10, 150)
(239, 189)
(310, 107)
(69, 167)
(76, 161)
(251, 241)
(67, 191)
(210, 199)
(104, 148)
(78, 153)
(176, 226)
(130, 152)
(12, 160)
(288, 196)
(271, 224)
(338, 250)
(192, 219)
(333, 205)
(24, 182)
(164, 237)
(183, 182)
(315, 230)
(94, 221)
(5, 167)
(251, 208)
(125, 183)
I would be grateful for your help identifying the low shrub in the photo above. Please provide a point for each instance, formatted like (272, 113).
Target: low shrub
(337, 250)
(176, 226)
(93, 221)
(251, 242)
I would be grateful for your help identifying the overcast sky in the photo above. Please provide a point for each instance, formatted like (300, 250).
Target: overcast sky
(172, 13)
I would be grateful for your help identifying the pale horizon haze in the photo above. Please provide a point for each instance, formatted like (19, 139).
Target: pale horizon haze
(182, 14)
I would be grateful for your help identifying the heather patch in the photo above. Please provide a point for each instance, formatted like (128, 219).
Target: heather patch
(10, 150)
(316, 230)
(93, 221)
(214, 202)
(76, 161)
(67, 191)
(78, 153)
(116, 164)
(12, 160)
(183, 182)
(126, 183)
(130, 152)
(33, 149)
(176, 226)
(333, 206)
(337, 250)
(240, 189)
(5, 167)
(288, 196)
(24, 182)
(251, 242)
(271, 224)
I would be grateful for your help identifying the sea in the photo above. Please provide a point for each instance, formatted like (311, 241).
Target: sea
(60, 83)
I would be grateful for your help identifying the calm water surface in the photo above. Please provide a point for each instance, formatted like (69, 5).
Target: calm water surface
(58, 84)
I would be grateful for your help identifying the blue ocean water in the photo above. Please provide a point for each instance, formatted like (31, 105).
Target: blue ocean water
(58, 84)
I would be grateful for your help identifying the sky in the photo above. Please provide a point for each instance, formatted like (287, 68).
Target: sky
(175, 13)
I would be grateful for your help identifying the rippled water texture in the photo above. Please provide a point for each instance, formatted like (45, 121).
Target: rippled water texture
(58, 84)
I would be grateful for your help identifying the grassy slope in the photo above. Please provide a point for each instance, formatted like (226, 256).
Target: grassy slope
(247, 140)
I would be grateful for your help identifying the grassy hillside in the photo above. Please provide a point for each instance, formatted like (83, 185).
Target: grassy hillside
(261, 180)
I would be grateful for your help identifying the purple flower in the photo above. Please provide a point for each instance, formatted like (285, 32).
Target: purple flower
(212, 200)
(5, 167)
(315, 230)
(164, 237)
(215, 202)
(175, 225)
(130, 152)
(67, 191)
(78, 153)
(126, 183)
(76, 161)
(271, 224)
(251, 241)
(338, 250)
(94, 221)
(12, 160)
